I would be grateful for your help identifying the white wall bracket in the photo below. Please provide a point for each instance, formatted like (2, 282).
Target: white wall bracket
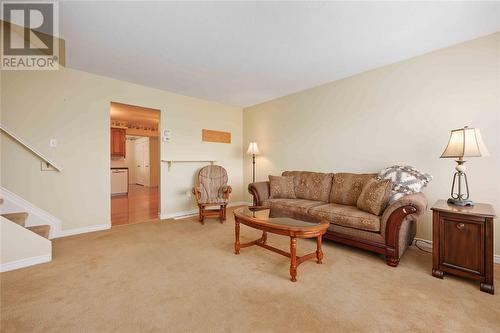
(170, 162)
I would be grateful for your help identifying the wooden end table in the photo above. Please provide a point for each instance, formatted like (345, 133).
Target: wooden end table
(462, 242)
(281, 223)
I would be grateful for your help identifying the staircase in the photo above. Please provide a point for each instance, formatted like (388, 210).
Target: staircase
(22, 244)
(20, 219)
(25, 214)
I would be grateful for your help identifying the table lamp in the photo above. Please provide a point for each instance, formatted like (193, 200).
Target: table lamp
(464, 142)
(253, 150)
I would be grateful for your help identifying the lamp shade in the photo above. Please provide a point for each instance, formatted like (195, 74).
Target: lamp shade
(253, 149)
(465, 142)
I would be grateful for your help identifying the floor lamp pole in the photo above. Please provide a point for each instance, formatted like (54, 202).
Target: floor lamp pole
(253, 162)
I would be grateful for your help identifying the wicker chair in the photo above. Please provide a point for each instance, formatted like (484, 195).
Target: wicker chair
(212, 192)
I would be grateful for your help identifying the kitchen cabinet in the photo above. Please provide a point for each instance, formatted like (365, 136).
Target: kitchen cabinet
(118, 142)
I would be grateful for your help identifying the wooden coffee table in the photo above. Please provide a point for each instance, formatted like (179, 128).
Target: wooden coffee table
(281, 223)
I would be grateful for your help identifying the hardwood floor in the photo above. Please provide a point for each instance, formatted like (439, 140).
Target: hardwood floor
(140, 205)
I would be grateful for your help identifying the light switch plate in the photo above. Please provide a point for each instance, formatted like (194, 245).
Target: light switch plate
(53, 143)
(166, 135)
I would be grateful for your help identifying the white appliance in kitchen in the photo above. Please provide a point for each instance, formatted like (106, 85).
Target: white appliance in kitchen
(119, 181)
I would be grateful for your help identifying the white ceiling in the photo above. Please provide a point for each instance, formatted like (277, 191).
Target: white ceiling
(244, 53)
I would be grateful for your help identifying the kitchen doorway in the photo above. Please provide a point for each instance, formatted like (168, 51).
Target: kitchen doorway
(135, 163)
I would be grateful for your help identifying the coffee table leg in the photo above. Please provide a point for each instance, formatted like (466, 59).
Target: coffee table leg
(319, 252)
(264, 237)
(293, 257)
(237, 236)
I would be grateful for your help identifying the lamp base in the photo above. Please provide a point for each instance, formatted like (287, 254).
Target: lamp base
(458, 202)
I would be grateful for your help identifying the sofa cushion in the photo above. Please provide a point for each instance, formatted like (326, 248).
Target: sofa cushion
(347, 187)
(374, 196)
(347, 216)
(311, 185)
(281, 187)
(301, 206)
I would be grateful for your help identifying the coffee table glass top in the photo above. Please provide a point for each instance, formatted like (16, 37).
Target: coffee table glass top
(277, 217)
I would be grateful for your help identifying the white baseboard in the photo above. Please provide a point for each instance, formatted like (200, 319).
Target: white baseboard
(13, 203)
(194, 212)
(424, 242)
(9, 266)
(176, 215)
(428, 244)
(186, 216)
(83, 230)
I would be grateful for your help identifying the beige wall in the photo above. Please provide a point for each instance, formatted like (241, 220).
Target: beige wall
(398, 114)
(73, 107)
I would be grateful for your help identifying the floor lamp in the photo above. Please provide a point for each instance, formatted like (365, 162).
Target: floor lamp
(253, 150)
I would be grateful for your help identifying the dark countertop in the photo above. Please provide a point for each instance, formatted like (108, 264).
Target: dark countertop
(119, 168)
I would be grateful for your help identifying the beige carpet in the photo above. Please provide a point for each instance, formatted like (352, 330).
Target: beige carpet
(180, 276)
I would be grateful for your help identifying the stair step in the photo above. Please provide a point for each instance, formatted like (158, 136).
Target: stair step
(42, 230)
(18, 218)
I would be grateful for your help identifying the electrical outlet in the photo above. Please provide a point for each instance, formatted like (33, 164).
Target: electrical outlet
(53, 143)
(47, 166)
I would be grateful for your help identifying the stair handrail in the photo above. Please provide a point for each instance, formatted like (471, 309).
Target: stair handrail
(41, 156)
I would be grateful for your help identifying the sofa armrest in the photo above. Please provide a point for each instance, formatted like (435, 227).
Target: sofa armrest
(260, 192)
(417, 204)
(392, 218)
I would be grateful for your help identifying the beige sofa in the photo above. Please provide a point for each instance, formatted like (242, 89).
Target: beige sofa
(333, 197)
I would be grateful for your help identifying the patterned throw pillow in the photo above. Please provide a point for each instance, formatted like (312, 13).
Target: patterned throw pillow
(405, 180)
(281, 187)
(347, 187)
(311, 185)
(374, 196)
